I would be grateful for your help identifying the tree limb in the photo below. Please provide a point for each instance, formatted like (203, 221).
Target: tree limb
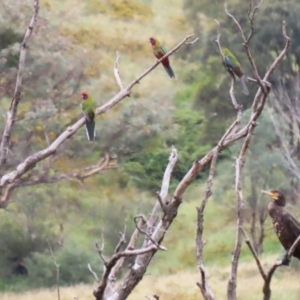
(204, 286)
(44, 177)
(11, 114)
(240, 161)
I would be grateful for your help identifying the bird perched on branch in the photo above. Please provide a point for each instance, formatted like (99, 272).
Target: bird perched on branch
(88, 107)
(233, 64)
(286, 226)
(159, 51)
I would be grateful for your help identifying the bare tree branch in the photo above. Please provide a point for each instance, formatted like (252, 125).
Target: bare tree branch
(251, 18)
(11, 114)
(101, 249)
(98, 293)
(204, 286)
(164, 189)
(35, 178)
(246, 42)
(122, 240)
(281, 55)
(131, 246)
(93, 272)
(250, 246)
(144, 232)
(117, 73)
(82, 174)
(240, 161)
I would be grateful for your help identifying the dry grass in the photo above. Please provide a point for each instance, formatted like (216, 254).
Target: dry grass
(182, 285)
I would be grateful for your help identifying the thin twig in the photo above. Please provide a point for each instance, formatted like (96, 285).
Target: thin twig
(250, 246)
(236, 22)
(281, 55)
(117, 73)
(41, 177)
(217, 40)
(57, 270)
(144, 232)
(122, 239)
(192, 42)
(251, 18)
(93, 272)
(100, 250)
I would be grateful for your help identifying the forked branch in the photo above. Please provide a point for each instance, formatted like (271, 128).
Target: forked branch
(35, 178)
(267, 277)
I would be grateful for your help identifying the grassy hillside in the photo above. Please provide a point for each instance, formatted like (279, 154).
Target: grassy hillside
(182, 285)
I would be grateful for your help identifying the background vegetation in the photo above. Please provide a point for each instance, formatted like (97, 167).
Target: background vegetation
(73, 49)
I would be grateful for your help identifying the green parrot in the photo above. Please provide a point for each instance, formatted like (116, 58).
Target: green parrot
(159, 51)
(88, 107)
(233, 64)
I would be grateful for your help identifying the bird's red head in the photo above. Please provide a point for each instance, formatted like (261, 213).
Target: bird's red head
(152, 41)
(84, 95)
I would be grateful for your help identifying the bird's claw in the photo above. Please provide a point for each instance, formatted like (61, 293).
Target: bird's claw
(285, 260)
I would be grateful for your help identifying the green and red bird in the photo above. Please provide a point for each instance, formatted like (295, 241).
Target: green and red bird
(233, 64)
(159, 51)
(88, 107)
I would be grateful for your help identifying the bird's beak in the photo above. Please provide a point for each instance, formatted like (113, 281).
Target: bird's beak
(267, 193)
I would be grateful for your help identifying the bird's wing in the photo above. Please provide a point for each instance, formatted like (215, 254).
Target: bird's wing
(163, 49)
(89, 113)
(292, 224)
(232, 63)
(228, 62)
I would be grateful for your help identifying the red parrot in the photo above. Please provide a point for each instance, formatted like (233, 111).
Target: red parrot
(159, 51)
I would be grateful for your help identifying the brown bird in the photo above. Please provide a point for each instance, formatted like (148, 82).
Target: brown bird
(286, 226)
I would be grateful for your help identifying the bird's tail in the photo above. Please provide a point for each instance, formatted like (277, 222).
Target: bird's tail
(90, 130)
(244, 86)
(169, 71)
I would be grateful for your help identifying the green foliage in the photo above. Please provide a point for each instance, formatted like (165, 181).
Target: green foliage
(266, 44)
(8, 37)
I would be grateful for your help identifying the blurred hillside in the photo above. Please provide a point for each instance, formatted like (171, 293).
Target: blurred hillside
(73, 49)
